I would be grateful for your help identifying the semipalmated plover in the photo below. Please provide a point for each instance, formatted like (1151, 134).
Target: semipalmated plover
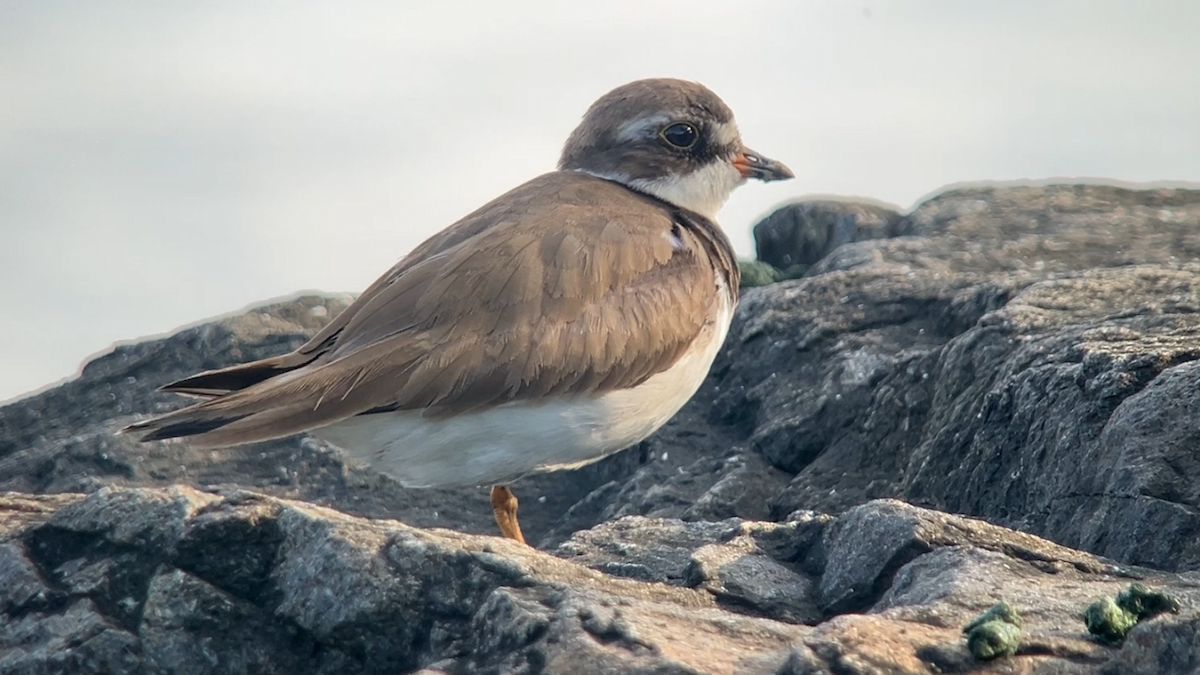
(561, 322)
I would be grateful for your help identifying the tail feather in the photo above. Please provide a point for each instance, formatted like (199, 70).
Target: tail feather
(162, 428)
(235, 378)
(208, 427)
(220, 388)
(301, 399)
(298, 395)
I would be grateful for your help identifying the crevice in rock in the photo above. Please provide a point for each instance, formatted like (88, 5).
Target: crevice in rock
(116, 577)
(249, 550)
(1190, 508)
(861, 600)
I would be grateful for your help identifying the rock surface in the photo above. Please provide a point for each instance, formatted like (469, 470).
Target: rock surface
(802, 233)
(1024, 355)
(1044, 383)
(173, 579)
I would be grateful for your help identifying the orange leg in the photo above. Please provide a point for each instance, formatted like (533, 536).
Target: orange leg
(504, 507)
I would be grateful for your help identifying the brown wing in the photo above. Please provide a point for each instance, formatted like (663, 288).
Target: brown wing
(233, 378)
(578, 286)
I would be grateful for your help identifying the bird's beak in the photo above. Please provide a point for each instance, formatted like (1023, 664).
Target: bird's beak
(753, 165)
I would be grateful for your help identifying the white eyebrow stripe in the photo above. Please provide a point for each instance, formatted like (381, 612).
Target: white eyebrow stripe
(636, 128)
(726, 133)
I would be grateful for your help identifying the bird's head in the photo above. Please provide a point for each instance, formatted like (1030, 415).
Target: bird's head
(673, 139)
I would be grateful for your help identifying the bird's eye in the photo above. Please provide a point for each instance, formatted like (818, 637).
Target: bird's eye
(681, 135)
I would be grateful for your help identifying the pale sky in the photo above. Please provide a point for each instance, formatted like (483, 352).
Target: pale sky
(165, 162)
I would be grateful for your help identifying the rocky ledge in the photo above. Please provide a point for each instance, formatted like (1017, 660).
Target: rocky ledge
(129, 580)
(1025, 357)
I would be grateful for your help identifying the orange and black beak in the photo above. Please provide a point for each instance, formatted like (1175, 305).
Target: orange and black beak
(753, 165)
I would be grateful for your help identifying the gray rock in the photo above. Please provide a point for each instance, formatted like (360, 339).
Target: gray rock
(989, 363)
(742, 578)
(649, 549)
(804, 232)
(743, 487)
(1152, 486)
(1039, 230)
(23, 588)
(867, 545)
(311, 590)
(191, 627)
(1144, 647)
(255, 584)
(77, 638)
(1047, 374)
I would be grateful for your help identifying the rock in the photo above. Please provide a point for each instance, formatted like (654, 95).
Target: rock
(255, 584)
(1036, 229)
(1032, 393)
(742, 571)
(26, 509)
(289, 587)
(804, 232)
(740, 577)
(870, 543)
(1145, 645)
(1024, 355)
(1058, 373)
(649, 549)
(186, 628)
(79, 639)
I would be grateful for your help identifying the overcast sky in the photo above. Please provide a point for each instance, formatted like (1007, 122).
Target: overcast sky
(164, 162)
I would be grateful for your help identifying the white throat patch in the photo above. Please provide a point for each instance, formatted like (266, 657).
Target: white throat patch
(704, 190)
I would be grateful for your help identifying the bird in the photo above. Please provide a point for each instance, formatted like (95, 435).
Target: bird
(563, 321)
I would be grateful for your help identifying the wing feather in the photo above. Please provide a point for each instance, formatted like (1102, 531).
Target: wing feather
(550, 296)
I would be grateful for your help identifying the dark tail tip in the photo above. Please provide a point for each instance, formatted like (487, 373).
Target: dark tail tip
(159, 432)
(218, 382)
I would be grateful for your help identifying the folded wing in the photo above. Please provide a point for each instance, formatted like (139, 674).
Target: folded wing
(554, 298)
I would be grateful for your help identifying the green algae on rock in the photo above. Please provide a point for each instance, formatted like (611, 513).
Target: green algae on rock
(758, 273)
(1110, 620)
(995, 633)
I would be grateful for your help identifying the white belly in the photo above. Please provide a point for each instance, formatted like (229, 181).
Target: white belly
(500, 444)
